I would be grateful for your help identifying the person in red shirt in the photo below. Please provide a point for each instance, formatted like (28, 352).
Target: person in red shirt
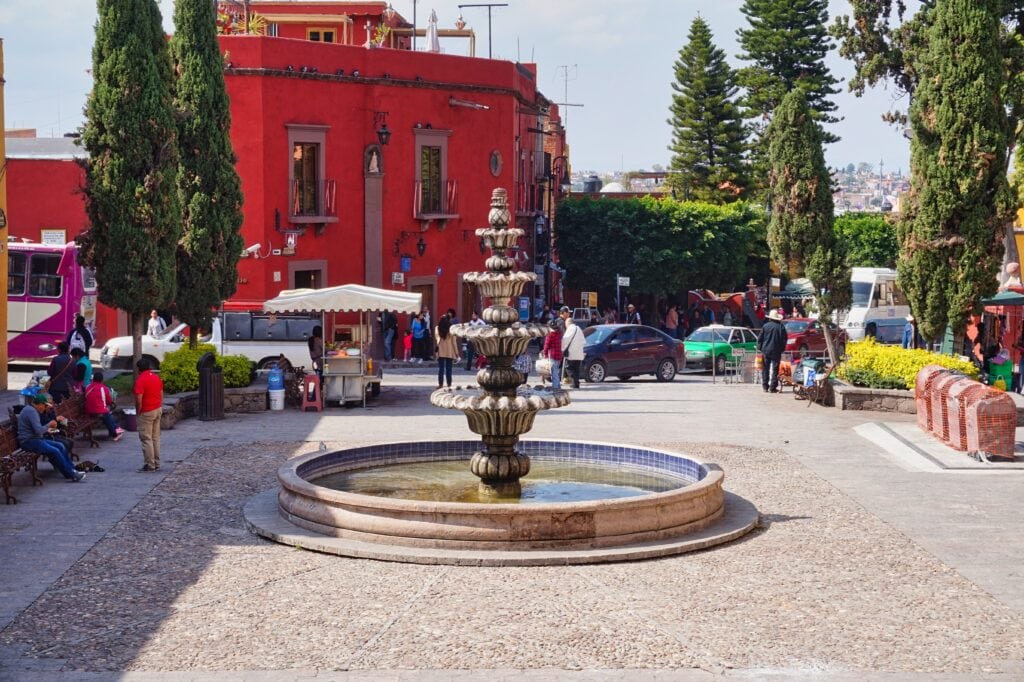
(98, 401)
(149, 401)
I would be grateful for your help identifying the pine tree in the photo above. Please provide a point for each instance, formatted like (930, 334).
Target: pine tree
(208, 185)
(786, 44)
(800, 234)
(951, 238)
(708, 139)
(129, 133)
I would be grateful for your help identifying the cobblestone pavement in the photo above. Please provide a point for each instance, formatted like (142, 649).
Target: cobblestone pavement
(844, 580)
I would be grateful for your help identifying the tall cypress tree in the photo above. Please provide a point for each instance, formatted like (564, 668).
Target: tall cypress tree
(130, 135)
(951, 238)
(800, 234)
(208, 185)
(708, 139)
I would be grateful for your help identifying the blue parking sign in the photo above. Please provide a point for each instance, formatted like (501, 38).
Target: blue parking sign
(524, 308)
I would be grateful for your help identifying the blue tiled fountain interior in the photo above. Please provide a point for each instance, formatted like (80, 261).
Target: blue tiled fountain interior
(617, 455)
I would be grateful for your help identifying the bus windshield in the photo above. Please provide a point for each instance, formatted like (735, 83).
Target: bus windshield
(861, 294)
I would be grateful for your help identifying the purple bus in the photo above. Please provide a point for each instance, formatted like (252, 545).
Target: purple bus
(46, 289)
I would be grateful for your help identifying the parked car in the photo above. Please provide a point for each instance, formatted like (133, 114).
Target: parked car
(717, 341)
(626, 350)
(804, 334)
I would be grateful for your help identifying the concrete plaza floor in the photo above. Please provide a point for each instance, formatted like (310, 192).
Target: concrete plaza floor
(866, 566)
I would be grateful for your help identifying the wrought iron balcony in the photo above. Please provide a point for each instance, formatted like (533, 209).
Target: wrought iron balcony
(440, 202)
(313, 202)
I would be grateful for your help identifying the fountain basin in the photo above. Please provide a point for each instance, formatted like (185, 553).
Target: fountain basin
(397, 523)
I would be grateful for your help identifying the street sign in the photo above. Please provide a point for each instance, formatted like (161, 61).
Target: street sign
(524, 308)
(623, 281)
(54, 237)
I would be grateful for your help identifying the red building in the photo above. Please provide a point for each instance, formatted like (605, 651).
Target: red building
(361, 164)
(376, 165)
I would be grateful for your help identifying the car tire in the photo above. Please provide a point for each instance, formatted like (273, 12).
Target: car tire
(596, 372)
(720, 364)
(666, 370)
(624, 377)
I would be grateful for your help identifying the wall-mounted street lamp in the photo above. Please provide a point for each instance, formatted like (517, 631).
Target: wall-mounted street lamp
(380, 122)
(421, 246)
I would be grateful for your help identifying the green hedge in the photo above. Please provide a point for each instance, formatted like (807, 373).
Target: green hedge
(179, 373)
(875, 365)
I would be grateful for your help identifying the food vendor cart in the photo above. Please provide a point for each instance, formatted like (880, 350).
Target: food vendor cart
(349, 370)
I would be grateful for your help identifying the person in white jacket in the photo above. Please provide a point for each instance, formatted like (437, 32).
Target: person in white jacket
(572, 346)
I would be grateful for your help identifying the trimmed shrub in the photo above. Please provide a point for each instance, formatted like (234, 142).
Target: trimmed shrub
(874, 365)
(237, 370)
(179, 373)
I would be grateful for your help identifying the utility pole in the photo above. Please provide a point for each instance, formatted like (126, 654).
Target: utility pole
(489, 6)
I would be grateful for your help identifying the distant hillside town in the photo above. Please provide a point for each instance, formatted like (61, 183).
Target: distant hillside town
(859, 188)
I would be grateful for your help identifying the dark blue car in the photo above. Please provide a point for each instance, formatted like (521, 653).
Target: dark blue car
(626, 350)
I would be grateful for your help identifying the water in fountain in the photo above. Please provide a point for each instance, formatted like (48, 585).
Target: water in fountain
(504, 410)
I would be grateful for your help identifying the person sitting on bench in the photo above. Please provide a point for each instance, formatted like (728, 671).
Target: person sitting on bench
(31, 438)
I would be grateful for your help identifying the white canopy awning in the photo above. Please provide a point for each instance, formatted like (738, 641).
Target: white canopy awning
(344, 298)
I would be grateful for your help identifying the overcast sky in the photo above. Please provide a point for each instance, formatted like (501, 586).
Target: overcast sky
(619, 54)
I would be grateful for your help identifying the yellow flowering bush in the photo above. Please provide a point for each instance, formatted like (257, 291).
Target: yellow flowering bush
(871, 363)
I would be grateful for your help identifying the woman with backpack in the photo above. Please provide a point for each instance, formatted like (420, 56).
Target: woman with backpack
(80, 336)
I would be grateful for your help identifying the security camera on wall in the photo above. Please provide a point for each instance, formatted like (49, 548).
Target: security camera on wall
(252, 250)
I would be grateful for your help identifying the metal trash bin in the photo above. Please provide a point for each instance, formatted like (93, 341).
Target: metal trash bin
(211, 388)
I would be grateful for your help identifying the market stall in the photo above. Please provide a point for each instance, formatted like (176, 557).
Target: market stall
(349, 371)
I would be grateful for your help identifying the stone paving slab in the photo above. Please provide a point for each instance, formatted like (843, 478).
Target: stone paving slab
(864, 570)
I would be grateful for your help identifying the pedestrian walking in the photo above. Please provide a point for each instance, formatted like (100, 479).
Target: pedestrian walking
(156, 325)
(771, 343)
(447, 351)
(572, 346)
(632, 316)
(474, 321)
(553, 351)
(149, 402)
(389, 325)
(672, 322)
(61, 372)
(419, 337)
(80, 336)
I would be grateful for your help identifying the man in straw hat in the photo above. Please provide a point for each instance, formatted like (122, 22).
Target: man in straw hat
(771, 343)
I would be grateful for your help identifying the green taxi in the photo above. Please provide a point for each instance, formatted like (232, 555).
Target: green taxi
(718, 342)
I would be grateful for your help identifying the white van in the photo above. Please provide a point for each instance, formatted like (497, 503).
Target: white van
(878, 308)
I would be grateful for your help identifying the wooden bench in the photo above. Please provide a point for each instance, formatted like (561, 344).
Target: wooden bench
(14, 459)
(79, 423)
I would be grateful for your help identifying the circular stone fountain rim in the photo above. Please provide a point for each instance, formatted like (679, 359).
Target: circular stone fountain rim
(289, 479)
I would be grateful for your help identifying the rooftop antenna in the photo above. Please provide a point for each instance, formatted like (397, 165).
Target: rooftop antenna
(489, 6)
(566, 78)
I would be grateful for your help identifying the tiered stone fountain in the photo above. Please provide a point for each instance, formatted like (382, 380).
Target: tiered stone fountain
(504, 411)
(582, 502)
